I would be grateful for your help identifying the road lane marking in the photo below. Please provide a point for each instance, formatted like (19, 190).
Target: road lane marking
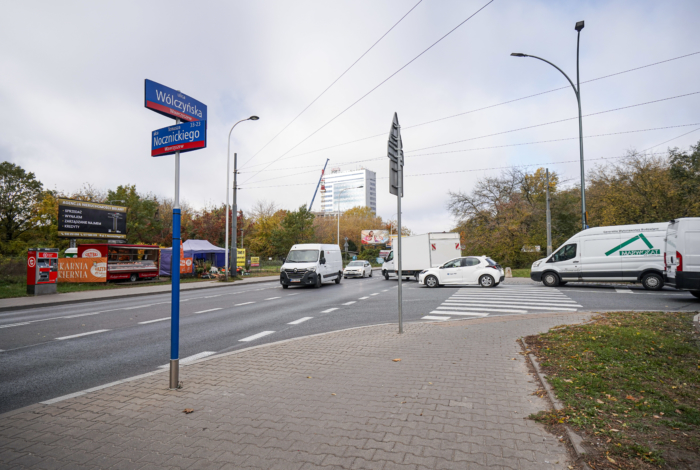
(376, 293)
(138, 306)
(363, 298)
(385, 290)
(273, 298)
(505, 310)
(244, 303)
(80, 334)
(209, 310)
(624, 291)
(350, 303)
(474, 314)
(330, 310)
(289, 295)
(188, 359)
(15, 324)
(516, 305)
(153, 321)
(212, 296)
(432, 317)
(259, 335)
(523, 303)
(301, 320)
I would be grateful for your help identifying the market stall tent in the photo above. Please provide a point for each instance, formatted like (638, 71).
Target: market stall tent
(197, 249)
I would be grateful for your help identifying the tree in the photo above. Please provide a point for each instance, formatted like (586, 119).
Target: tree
(265, 219)
(210, 224)
(685, 173)
(141, 220)
(20, 193)
(296, 227)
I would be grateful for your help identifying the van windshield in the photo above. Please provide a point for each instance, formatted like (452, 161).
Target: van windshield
(302, 256)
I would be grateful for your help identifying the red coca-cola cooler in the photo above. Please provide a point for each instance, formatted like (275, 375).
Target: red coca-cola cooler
(42, 271)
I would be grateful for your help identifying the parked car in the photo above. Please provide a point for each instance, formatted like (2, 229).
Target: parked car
(621, 253)
(421, 252)
(682, 254)
(358, 268)
(467, 270)
(311, 264)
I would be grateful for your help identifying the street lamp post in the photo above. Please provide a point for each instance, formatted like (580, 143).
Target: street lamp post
(228, 207)
(577, 91)
(339, 193)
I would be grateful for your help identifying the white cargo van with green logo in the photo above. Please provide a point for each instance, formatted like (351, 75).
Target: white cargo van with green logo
(623, 253)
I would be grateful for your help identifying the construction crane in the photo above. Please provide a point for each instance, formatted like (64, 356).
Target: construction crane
(319, 184)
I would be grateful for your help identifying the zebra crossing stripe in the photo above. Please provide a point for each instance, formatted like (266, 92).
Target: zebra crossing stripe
(470, 314)
(516, 302)
(503, 310)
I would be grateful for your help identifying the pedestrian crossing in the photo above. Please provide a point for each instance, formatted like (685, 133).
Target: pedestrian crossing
(477, 302)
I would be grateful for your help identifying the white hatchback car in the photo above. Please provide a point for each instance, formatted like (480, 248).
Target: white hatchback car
(474, 270)
(358, 268)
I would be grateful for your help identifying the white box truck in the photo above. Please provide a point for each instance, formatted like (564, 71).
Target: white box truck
(421, 252)
(682, 254)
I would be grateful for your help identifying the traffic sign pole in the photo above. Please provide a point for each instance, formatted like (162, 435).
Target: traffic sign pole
(398, 214)
(175, 290)
(395, 154)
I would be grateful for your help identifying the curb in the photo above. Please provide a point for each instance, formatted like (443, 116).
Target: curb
(112, 297)
(574, 439)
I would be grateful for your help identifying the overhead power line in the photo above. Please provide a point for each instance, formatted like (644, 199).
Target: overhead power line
(486, 107)
(669, 140)
(373, 89)
(334, 82)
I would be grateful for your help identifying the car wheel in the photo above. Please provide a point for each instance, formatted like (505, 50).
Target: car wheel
(134, 278)
(431, 281)
(487, 281)
(364, 274)
(370, 273)
(386, 275)
(696, 293)
(318, 282)
(285, 286)
(652, 281)
(550, 279)
(337, 279)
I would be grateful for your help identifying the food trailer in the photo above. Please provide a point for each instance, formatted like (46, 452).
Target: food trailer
(132, 262)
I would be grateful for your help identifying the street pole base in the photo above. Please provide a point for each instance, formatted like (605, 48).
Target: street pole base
(174, 374)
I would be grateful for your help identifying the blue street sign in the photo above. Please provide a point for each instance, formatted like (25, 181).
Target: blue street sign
(183, 137)
(172, 103)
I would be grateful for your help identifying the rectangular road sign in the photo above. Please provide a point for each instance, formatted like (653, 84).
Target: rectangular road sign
(172, 103)
(183, 137)
(84, 219)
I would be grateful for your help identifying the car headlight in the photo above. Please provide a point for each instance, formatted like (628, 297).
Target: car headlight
(536, 263)
(312, 269)
(424, 271)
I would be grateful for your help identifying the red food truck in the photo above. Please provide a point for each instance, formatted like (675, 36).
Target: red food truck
(132, 262)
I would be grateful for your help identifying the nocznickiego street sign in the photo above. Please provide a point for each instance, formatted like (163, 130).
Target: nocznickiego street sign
(183, 137)
(172, 103)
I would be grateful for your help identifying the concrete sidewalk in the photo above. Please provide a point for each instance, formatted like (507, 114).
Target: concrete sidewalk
(458, 399)
(120, 292)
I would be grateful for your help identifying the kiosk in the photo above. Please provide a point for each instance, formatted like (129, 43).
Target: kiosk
(42, 271)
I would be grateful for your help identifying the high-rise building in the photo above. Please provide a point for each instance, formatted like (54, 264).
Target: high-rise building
(336, 199)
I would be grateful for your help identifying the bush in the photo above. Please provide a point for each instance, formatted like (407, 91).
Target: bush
(12, 270)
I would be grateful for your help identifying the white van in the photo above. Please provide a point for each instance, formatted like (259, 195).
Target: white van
(622, 253)
(312, 264)
(682, 254)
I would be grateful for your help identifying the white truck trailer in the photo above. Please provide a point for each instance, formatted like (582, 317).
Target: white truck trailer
(421, 252)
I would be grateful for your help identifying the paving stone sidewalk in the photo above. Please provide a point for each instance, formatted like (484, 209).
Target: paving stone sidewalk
(458, 399)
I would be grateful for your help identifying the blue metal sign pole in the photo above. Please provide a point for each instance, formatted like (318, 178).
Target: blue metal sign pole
(175, 277)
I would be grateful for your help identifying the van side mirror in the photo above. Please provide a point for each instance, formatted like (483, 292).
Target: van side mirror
(323, 261)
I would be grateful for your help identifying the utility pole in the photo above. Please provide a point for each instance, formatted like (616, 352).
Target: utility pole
(549, 220)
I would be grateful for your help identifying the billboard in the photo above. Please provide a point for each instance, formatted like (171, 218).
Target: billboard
(179, 138)
(172, 103)
(82, 270)
(83, 219)
(375, 237)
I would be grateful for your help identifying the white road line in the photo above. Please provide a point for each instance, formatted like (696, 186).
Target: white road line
(301, 320)
(82, 315)
(212, 296)
(209, 310)
(185, 360)
(513, 294)
(15, 324)
(554, 303)
(273, 298)
(153, 321)
(138, 306)
(81, 334)
(363, 298)
(505, 310)
(330, 310)
(288, 295)
(467, 314)
(244, 303)
(259, 335)
(519, 306)
(385, 290)
(431, 317)
(350, 303)
(624, 291)
(376, 293)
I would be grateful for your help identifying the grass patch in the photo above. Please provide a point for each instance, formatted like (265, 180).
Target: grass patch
(631, 382)
(521, 272)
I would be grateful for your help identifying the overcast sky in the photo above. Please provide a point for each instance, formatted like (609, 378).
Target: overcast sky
(72, 85)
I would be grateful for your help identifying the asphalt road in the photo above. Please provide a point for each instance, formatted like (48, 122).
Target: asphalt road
(49, 352)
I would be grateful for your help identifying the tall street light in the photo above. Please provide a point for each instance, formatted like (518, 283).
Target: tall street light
(235, 172)
(339, 193)
(577, 91)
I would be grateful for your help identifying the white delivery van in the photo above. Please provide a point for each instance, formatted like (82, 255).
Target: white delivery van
(421, 252)
(682, 254)
(311, 264)
(622, 253)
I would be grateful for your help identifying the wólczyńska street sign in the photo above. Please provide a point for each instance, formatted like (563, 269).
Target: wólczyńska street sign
(172, 103)
(183, 137)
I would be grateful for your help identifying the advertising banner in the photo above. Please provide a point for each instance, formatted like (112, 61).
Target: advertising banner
(82, 270)
(254, 261)
(240, 257)
(375, 237)
(185, 263)
(179, 138)
(83, 219)
(172, 103)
